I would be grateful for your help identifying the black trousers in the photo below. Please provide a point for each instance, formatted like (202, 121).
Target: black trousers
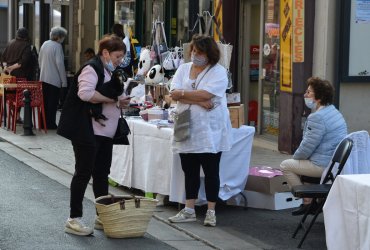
(211, 167)
(91, 161)
(51, 100)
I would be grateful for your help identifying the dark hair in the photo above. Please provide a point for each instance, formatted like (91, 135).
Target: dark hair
(322, 89)
(206, 45)
(89, 51)
(117, 29)
(111, 43)
(22, 33)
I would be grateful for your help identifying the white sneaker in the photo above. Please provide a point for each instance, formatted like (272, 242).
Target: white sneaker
(77, 227)
(98, 223)
(183, 216)
(210, 219)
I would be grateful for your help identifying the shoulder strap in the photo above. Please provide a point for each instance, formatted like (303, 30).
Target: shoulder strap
(210, 67)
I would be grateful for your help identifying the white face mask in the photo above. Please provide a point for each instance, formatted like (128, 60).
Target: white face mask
(310, 103)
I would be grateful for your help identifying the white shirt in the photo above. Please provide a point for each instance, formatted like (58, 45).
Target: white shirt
(210, 131)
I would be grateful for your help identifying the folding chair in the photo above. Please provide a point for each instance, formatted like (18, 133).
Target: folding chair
(319, 192)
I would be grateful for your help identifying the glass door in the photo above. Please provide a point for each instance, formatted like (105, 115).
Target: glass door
(270, 68)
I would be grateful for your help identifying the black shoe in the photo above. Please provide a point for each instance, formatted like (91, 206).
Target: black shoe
(302, 209)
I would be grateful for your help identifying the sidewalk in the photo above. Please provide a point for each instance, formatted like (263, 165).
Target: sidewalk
(52, 155)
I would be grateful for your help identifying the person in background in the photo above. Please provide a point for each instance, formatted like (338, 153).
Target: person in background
(92, 143)
(89, 53)
(52, 73)
(18, 58)
(323, 131)
(128, 60)
(17, 55)
(202, 84)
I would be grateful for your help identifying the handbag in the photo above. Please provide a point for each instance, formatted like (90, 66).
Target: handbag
(181, 129)
(123, 130)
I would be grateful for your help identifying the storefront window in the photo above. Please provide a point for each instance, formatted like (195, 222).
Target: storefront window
(183, 21)
(124, 13)
(20, 16)
(271, 83)
(57, 15)
(37, 26)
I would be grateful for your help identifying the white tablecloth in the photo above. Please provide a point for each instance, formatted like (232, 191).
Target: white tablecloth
(148, 163)
(234, 169)
(347, 213)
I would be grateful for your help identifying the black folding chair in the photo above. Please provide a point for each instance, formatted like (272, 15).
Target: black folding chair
(319, 192)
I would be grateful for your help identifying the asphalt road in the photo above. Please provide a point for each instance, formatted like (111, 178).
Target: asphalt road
(34, 209)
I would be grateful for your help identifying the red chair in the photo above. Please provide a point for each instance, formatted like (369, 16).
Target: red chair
(6, 80)
(37, 104)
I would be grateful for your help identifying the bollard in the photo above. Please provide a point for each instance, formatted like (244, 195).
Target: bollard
(27, 121)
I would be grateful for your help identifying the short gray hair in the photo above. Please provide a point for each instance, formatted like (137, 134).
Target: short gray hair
(57, 32)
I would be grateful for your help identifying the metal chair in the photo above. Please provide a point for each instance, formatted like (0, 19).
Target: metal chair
(319, 192)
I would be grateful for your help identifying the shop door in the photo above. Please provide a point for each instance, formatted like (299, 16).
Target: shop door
(270, 80)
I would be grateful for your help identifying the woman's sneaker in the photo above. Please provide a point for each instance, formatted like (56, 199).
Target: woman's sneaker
(77, 227)
(183, 216)
(210, 219)
(98, 223)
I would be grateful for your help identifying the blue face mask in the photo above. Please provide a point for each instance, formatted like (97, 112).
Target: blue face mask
(310, 103)
(109, 66)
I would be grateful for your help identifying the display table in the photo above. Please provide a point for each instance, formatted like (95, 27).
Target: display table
(148, 163)
(347, 213)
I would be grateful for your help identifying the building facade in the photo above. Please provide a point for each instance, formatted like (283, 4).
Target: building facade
(277, 45)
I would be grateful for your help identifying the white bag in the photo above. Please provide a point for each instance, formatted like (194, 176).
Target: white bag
(169, 63)
(225, 54)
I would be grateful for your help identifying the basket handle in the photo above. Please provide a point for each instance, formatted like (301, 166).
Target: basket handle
(122, 204)
(137, 201)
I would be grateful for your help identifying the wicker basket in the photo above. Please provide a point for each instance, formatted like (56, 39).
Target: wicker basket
(125, 216)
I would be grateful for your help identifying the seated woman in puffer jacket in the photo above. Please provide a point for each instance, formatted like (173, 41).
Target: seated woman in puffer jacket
(323, 131)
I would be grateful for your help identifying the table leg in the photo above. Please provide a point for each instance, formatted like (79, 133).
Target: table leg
(4, 107)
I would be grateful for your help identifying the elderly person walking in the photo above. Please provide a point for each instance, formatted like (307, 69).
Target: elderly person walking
(324, 129)
(52, 73)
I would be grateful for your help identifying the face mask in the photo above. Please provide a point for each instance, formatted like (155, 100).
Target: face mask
(109, 66)
(61, 40)
(199, 60)
(310, 103)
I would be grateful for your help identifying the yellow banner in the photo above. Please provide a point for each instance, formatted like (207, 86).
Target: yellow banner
(217, 6)
(286, 13)
(298, 31)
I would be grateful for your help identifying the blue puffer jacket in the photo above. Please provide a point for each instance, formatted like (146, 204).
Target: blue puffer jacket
(323, 131)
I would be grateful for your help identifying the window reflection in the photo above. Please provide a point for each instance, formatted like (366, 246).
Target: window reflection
(124, 13)
(37, 26)
(57, 15)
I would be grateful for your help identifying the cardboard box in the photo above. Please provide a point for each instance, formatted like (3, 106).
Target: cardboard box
(275, 201)
(267, 185)
(236, 115)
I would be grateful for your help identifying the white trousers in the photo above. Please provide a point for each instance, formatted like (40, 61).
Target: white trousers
(293, 169)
